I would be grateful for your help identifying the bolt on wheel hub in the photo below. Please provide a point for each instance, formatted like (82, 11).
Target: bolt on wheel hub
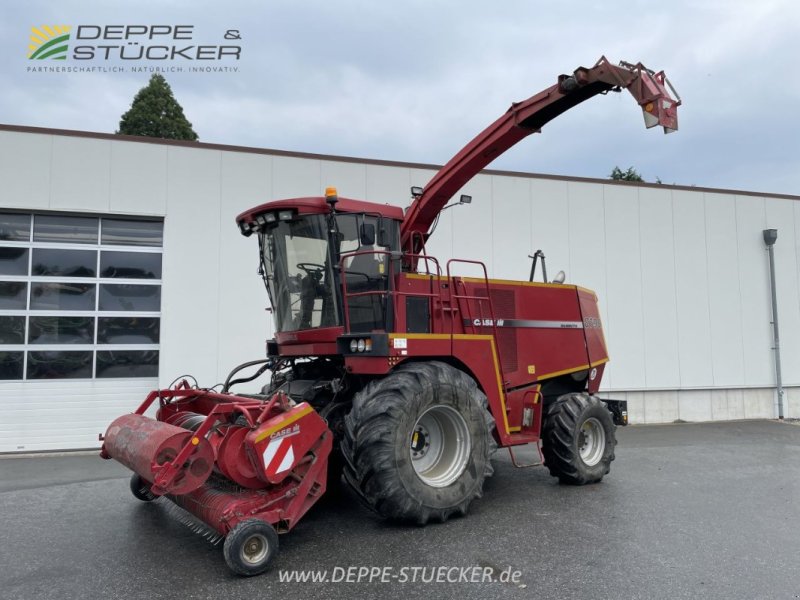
(420, 442)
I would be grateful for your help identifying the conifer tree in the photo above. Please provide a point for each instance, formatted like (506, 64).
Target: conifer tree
(156, 113)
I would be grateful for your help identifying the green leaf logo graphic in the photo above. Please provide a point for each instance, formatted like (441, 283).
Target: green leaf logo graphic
(49, 41)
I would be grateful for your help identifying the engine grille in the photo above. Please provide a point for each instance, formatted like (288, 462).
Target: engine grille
(504, 303)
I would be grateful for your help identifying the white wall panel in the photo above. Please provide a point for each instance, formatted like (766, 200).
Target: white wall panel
(295, 178)
(724, 290)
(587, 237)
(349, 179)
(780, 216)
(25, 161)
(191, 267)
(390, 185)
(419, 178)
(511, 228)
(244, 323)
(550, 224)
(80, 177)
(623, 268)
(660, 310)
(138, 178)
(753, 270)
(440, 244)
(472, 227)
(691, 289)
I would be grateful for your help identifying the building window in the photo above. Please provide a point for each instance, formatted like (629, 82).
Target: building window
(80, 296)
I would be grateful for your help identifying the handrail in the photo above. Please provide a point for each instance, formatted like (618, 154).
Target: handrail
(479, 299)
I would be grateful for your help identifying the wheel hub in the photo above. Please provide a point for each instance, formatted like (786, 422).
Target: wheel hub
(591, 441)
(255, 549)
(440, 446)
(420, 442)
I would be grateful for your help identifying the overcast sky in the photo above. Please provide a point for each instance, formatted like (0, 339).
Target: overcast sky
(415, 80)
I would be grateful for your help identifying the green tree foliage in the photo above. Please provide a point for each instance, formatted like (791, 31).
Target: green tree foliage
(156, 113)
(629, 175)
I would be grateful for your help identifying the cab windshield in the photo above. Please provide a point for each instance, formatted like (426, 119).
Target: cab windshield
(298, 273)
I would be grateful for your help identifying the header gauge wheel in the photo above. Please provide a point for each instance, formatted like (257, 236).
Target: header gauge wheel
(141, 488)
(249, 547)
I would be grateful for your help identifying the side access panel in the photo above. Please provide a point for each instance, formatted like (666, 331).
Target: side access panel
(595, 340)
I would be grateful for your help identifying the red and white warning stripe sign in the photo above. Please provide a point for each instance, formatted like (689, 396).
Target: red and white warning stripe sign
(281, 442)
(278, 455)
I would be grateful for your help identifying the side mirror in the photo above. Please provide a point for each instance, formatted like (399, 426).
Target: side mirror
(367, 234)
(383, 237)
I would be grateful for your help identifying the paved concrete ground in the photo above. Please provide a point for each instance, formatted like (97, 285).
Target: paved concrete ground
(697, 510)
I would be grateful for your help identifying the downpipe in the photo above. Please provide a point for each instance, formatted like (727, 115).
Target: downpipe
(770, 237)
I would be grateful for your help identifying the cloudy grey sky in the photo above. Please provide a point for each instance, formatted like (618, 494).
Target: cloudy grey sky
(415, 80)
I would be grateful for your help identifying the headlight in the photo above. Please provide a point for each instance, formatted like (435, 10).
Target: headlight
(362, 345)
(353, 345)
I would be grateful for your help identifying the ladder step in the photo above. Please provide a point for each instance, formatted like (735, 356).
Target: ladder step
(526, 465)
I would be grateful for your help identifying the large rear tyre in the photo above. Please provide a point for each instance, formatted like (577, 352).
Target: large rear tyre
(578, 439)
(249, 547)
(418, 442)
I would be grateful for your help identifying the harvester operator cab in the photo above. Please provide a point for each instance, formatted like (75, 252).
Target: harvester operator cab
(308, 260)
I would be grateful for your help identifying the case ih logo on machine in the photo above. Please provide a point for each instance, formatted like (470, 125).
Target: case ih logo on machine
(49, 41)
(487, 322)
(294, 430)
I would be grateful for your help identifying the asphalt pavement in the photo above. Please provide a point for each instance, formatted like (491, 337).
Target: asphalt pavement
(688, 511)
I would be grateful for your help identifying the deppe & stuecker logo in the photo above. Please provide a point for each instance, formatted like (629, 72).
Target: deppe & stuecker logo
(128, 43)
(49, 41)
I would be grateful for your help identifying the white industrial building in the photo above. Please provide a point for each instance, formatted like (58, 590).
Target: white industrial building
(99, 308)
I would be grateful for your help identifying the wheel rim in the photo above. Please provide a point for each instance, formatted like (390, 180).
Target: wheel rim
(440, 446)
(255, 549)
(591, 441)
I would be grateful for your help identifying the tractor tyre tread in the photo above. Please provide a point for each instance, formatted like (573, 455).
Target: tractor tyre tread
(381, 474)
(561, 426)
